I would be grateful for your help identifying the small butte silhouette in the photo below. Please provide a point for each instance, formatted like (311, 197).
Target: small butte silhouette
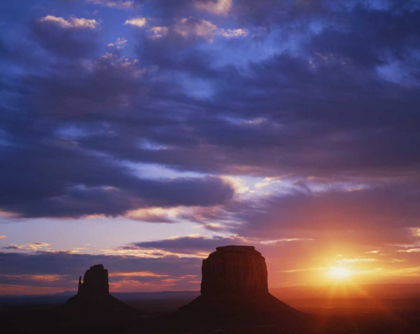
(94, 289)
(93, 303)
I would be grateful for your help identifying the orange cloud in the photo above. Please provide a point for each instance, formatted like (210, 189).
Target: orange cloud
(136, 274)
(72, 22)
(127, 285)
(7, 289)
(36, 278)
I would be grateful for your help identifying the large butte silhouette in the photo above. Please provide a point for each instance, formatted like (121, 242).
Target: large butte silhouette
(234, 294)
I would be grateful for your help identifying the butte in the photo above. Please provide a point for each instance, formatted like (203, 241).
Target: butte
(235, 297)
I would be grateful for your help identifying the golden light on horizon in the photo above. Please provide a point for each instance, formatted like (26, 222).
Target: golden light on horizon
(339, 272)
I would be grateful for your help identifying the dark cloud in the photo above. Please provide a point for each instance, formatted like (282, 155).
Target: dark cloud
(168, 9)
(59, 181)
(269, 12)
(12, 247)
(187, 245)
(69, 42)
(321, 94)
(317, 110)
(328, 104)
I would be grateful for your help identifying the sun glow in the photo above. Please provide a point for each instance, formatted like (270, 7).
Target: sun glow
(339, 272)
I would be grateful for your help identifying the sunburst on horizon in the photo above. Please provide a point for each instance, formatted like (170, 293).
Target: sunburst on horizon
(339, 272)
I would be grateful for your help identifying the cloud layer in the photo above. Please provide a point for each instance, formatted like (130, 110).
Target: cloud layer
(254, 120)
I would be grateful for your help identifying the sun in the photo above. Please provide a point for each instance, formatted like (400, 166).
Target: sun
(339, 272)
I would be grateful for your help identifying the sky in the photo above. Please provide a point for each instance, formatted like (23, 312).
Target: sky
(143, 134)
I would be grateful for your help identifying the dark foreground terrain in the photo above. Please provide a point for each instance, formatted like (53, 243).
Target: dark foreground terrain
(153, 313)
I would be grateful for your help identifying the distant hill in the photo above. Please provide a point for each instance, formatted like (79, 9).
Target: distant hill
(380, 291)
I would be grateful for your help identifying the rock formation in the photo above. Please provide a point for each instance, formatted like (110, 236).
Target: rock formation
(234, 293)
(234, 272)
(95, 282)
(93, 303)
(94, 289)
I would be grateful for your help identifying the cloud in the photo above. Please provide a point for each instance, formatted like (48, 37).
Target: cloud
(137, 22)
(200, 246)
(214, 139)
(292, 125)
(156, 214)
(358, 260)
(72, 22)
(415, 231)
(311, 107)
(180, 8)
(188, 27)
(136, 274)
(72, 38)
(36, 278)
(158, 32)
(233, 33)
(120, 4)
(188, 245)
(37, 245)
(410, 250)
(409, 271)
(120, 43)
(3, 237)
(12, 247)
(90, 195)
(31, 246)
(274, 242)
(220, 7)
(83, 183)
(192, 27)
(268, 181)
